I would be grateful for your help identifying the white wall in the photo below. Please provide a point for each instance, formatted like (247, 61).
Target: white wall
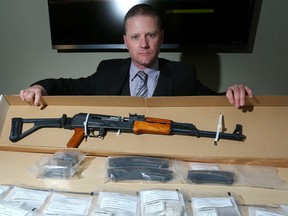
(26, 54)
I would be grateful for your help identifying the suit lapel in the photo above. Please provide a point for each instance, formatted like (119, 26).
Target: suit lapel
(120, 82)
(164, 86)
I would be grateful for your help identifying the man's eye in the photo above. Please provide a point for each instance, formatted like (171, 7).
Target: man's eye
(151, 35)
(135, 37)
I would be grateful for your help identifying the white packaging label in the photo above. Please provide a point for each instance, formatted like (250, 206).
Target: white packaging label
(154, 206)
(265, 213)
(6, 210)
(153, 195)
(68, 208)
(119, 203)
(206, 212)
(101, 213)
(211, 202)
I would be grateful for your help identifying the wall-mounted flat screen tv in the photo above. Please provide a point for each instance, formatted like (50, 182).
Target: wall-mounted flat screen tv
(97, 25)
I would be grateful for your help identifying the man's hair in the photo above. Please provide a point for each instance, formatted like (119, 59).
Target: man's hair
(142, 10)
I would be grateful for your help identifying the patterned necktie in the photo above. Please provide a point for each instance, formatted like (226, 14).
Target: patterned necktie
(143, 89)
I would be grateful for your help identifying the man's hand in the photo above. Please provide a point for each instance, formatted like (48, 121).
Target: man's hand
(236, 94)
(33, 94)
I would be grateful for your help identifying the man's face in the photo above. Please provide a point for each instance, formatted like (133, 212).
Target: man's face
(143, 40)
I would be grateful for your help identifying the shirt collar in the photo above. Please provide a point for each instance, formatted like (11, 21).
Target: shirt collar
(151, 70)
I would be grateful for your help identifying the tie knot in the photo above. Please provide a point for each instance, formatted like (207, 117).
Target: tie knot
(143, 76)
(143, 88)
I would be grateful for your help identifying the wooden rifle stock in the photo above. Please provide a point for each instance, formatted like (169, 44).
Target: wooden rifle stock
(77, 138)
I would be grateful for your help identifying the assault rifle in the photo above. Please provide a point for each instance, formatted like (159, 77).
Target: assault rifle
(86, 124)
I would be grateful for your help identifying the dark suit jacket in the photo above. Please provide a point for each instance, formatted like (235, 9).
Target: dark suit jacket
(112, 78)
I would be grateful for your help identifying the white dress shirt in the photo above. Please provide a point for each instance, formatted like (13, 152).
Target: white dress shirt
(153, 76)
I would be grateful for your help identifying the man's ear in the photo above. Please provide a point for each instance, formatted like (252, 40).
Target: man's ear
(124, 39)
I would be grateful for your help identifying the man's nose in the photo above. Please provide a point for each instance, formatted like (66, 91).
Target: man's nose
(144, 42)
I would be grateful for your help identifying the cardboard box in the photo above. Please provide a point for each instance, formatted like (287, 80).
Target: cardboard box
(264, 123)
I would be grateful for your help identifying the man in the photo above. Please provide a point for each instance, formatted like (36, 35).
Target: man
(158, 77)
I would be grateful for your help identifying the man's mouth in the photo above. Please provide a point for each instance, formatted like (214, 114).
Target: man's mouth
(144, 53)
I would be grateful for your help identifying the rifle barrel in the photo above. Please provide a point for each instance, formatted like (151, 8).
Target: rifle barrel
(190, 130)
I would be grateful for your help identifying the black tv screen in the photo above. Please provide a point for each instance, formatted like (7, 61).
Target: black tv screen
(95, 25)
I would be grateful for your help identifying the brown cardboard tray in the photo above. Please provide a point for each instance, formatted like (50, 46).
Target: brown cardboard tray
(264, 122)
